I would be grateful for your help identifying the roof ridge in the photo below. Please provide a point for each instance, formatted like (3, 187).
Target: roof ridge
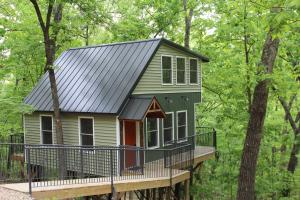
(115, 43)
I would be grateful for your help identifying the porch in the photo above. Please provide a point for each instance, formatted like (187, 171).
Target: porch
(97, 170)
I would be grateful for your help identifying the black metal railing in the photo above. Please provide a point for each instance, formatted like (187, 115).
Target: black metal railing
(204, 136)
(12, 163)
(52, 165)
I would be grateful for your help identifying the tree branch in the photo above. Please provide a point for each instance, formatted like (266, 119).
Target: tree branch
(49, 13)
(39, 15)
(288, 115)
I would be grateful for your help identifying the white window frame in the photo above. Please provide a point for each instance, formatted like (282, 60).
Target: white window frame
(157, 146)
(185, 71)
(190, 71)
(161, 70)
(79, 128)
(163, 132)
(41, 131)
(186, 126)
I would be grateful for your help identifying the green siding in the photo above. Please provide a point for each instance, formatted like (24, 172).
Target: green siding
(104, 127)
(151, 81)
(179, 103)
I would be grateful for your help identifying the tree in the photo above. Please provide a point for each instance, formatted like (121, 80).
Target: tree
(246, 184)
(54, 10)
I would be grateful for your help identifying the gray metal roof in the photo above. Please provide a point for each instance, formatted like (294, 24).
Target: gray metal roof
(97, 79)
(135, 108)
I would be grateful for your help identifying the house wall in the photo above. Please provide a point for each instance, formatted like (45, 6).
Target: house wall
(104, 128)
(151, 80)
(173, 102)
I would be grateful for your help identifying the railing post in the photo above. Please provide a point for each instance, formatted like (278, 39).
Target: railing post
(81, 163)
(111, 173)
(170, 163)
(27, 152)
(214, 138)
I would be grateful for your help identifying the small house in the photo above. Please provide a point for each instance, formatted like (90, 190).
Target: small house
(140, 93)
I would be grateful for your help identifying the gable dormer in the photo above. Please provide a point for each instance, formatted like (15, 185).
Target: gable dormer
(171, 70)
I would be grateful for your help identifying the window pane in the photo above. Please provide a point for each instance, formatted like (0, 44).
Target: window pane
(168, 121)
(87, 140)
(86, 126)
(180, 64)
(180, 76)
(193, 77)
(46, 123)
(182, 119)
(193, 71)
(152, 132)
(167, 135)
(167, 69)
(193, 64)
(168, 127)
(47, 137)
(180, 70)
(151, 124)
(152, 139)
(181, 132)
(166, 62)
(167, 77)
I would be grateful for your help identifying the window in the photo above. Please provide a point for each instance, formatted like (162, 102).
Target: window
(168, 128)
(181, 125)
(46, 130)
(166, 65)
(152, 132)
(86, 131)
(180, 70)
(193, 71)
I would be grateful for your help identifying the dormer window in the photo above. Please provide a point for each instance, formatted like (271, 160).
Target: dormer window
(166, 66)
(193, 71)
(180, 70)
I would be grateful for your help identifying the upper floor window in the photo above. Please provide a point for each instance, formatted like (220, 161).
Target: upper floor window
(182, 125)
(168, 128)
(152, 132)
(46, 130)
(166, 66)
(86, 131)
(193, 71)
(180, 70)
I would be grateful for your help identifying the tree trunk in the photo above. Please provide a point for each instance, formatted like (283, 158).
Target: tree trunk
(188, 22)
(246, 182)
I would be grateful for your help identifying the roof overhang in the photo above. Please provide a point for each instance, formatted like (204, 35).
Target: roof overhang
(138, 108)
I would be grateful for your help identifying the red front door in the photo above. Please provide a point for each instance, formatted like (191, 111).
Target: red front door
(130, 141)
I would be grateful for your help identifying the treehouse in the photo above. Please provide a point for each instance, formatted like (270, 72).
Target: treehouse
(128, 117)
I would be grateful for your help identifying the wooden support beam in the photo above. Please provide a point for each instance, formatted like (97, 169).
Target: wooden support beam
(186, 190)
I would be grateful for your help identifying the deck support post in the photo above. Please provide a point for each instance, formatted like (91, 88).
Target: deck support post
(154, 193)
(187, 190)
(177, 190)
(130, 195)
(191, 181)
(168, 193)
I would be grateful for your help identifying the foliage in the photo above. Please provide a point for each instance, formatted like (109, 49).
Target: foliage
(220, 30)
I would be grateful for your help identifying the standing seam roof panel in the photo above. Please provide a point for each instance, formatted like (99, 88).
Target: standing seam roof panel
(113, 84)
(95, 79)
(69, 86)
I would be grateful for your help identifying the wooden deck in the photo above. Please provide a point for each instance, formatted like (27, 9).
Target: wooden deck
(98, 186)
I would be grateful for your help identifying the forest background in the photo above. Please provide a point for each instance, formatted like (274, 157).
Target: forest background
(230, 32)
